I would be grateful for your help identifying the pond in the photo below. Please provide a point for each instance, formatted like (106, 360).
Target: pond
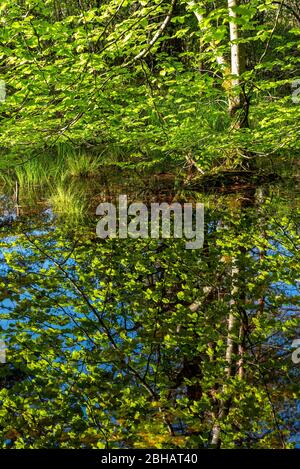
(138, 343)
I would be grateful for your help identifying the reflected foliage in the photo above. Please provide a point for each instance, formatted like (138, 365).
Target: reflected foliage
(123, 343)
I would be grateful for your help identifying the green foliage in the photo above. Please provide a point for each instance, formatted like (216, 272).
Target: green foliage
(73, 77)
(105, 350)
(124, 343)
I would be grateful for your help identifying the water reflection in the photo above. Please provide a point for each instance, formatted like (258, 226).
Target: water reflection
(142, 343)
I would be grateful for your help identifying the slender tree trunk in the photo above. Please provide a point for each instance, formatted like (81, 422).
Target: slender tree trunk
(16, 198)
(231, 349)
(238, 102)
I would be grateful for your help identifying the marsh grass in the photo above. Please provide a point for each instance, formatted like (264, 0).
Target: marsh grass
(31, 173)
(81, 165)
(38, 170)
(55, 165)
(68, 201)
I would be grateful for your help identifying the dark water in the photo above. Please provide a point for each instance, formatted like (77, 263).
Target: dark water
(123, 342)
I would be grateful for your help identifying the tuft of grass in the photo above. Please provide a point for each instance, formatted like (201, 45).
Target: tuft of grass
(82, 165)
(38, 170)
(68, 201)
(31, 173)
(55, 165)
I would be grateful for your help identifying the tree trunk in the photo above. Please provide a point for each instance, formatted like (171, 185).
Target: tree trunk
(238, 102)
(231, 349)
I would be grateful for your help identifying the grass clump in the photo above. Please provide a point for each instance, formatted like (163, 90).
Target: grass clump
(82, 165)
(68, 201)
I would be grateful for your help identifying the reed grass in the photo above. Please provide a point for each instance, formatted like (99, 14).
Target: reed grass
(68, 201)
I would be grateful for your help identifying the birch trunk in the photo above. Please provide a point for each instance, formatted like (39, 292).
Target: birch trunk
(231, 346)
(238, 103)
